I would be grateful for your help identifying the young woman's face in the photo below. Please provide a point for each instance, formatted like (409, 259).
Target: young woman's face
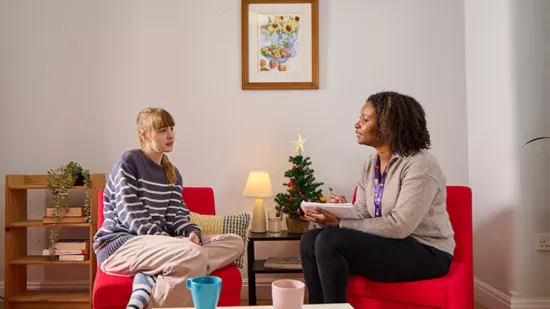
(161, 140)
(365, 127)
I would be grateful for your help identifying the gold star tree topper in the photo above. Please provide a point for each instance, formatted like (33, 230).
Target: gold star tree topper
(299, 144)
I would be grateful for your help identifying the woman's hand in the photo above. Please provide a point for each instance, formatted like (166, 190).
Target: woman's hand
(322, 217)
(194, 238)
(337, 199)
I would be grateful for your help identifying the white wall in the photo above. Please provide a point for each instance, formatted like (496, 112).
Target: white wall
(531, 30)
(87, 68)
(507, 47)
(492, 149)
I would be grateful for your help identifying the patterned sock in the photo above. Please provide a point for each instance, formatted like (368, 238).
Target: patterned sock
(141, 291)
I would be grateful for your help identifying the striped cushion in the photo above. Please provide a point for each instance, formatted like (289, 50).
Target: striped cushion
(235, 224)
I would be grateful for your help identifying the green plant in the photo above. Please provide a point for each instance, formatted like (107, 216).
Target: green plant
(301, 186)
(60, 180)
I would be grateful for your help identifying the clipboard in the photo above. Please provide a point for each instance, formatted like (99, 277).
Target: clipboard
(342, 211)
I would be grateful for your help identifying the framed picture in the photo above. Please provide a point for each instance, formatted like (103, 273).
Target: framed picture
(280, 44)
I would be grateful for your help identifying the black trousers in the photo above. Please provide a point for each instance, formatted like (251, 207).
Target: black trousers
(330, 255)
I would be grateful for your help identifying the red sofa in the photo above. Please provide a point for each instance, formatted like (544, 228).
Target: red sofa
(454, 291)
(113, 292)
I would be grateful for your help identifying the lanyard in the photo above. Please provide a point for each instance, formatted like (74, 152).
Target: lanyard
(379, 181)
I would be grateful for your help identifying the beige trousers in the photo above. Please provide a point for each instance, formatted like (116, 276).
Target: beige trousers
(173, 260)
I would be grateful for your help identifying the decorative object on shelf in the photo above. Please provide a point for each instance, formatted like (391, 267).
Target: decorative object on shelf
(258, 186)
(297, 226)
(274, 222)
(59, 181)
(280, 44)
(302, 186)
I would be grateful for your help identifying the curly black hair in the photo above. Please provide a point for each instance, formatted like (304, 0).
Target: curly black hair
(401, 122)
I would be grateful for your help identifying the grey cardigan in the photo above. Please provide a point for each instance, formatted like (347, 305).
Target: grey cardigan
(413, 204)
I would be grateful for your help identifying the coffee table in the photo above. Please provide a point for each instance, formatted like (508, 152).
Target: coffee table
(324, 306)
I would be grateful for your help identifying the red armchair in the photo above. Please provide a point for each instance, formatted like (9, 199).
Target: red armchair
(113, 292)
(454, 291)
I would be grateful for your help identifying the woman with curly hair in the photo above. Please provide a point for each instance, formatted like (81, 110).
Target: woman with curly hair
(405, 233)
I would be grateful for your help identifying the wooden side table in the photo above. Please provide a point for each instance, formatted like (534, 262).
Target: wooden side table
(257, 266)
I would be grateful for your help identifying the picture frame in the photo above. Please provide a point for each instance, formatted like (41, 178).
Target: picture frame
(280, 44)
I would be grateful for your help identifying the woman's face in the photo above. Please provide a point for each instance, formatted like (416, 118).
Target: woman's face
(162, 140)
(365, 127)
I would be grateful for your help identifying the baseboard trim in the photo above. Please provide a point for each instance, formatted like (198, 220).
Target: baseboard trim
(531, 303)
(492, 298)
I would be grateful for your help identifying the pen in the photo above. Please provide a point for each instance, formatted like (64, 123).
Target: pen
(332, 192)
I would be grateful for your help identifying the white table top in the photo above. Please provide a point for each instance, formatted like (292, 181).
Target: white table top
(324, 306)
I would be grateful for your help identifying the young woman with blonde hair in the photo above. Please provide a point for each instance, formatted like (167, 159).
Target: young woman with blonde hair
(147, 233)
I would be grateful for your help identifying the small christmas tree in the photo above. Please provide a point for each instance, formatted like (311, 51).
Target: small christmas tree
(301, 185)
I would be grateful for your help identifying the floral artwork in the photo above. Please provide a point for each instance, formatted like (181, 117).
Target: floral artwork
(279, 43)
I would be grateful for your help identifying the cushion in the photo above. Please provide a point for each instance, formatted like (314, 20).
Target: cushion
(214, 224)
(431, 293)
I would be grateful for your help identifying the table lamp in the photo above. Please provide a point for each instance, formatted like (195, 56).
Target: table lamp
(258, 186)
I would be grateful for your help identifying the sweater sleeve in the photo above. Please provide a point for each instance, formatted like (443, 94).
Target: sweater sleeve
(182, 225)
(129, 208)
(418, 191)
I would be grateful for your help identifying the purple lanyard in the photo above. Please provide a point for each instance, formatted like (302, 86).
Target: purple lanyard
(379, 181)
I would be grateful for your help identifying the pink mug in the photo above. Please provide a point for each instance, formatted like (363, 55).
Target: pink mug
(288, 294)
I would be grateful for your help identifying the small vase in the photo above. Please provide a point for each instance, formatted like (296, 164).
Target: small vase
(296, 226)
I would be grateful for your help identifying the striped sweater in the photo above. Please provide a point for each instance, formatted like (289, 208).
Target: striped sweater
(138, 201)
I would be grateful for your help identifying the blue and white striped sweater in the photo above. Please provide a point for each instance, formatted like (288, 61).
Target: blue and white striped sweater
(138, 201)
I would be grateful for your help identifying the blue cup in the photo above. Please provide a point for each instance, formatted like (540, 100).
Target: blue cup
(205, 291)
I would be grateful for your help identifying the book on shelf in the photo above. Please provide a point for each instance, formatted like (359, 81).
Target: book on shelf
(73, 244)
(72, 257)
(65, 252)
(82, 219)
(71, 212)
(283, 263)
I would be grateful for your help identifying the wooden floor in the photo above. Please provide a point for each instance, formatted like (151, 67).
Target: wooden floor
(268, 302)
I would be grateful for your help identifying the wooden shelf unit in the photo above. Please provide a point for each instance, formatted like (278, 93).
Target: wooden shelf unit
(39, 223)
(43, 260)
(16, 257)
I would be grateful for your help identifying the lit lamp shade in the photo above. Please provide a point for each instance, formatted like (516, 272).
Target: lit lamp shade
(258, 186)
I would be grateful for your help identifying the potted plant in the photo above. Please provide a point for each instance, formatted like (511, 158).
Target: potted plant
(59, 181)
(300, 187)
